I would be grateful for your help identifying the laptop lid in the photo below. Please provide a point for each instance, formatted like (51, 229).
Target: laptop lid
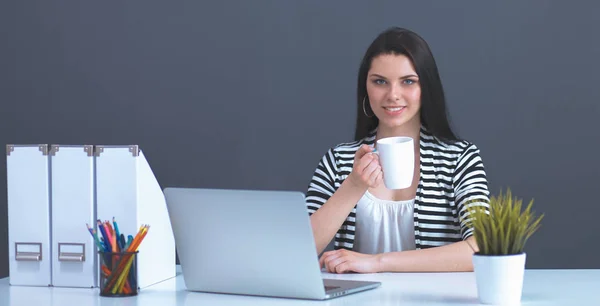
(248, 242)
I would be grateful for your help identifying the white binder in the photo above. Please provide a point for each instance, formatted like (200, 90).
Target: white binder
(127, 189)
(27, 173)
(74, 254)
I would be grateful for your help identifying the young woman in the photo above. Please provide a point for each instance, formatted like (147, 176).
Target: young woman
(420, 228)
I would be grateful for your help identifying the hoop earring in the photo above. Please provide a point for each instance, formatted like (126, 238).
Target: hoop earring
(365, 109)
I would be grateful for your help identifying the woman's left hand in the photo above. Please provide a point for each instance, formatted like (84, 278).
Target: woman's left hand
(342, 260)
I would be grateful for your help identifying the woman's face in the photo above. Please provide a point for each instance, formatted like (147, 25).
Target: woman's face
(394, 90)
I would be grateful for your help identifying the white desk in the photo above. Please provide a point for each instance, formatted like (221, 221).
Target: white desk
(541, 287)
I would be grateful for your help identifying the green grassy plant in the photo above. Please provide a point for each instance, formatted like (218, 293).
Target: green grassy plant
(505, 228)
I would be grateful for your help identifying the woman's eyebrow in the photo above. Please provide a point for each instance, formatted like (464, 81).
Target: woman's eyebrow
(409, 76)
(377, 76)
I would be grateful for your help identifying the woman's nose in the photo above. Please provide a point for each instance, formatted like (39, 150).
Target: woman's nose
(395, 92)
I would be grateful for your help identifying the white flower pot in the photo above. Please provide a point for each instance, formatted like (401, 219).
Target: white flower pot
(499, 278)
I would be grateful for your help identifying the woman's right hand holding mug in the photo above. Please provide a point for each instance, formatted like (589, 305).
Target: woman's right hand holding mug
(366, 171)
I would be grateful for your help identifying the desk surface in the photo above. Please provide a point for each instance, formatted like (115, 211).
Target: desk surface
(541, 287)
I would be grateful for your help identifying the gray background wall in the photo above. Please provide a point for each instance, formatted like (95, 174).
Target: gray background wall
(250, 94)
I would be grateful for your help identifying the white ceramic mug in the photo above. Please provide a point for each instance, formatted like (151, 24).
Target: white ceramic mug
(397, 159)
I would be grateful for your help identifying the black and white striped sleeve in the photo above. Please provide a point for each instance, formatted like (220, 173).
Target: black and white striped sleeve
(322, 184)
(470, 183)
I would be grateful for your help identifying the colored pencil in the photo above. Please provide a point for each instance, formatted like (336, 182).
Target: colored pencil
(118, 281)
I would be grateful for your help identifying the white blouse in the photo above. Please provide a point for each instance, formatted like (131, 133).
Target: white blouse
(383, 225)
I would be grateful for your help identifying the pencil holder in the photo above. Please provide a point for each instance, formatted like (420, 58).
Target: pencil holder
(118, 274)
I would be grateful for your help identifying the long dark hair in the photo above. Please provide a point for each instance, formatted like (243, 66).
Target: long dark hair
(433, 103)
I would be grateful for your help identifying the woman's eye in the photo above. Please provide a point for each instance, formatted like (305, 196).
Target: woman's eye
(379, 81)
(409, 82)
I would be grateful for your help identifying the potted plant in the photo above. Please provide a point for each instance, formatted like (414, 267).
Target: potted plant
(501, 231)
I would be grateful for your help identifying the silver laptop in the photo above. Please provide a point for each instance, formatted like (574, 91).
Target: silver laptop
(250, 243)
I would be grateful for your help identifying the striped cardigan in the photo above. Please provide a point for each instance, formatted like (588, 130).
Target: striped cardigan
(450, 175)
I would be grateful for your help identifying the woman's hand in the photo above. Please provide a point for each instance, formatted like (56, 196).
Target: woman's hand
(366, 171)
(342, 261)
